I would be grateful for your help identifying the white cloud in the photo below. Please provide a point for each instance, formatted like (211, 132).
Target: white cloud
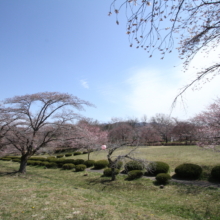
(153, 90)
(84, 83)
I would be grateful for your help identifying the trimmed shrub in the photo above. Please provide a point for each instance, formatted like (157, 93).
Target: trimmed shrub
(44, 164)
(60, 156)
(79, 161)
(59, 162)
(80, 167)
(68, 155)
(188, 171)
(70, 161)
(77, 153)
(119, 165)
(51, 165)
(135, 174)
(108, 172)
(133, 165)
(6, 159)
(16, 160)
(48, 158)
(38, 158)
(157, 167)
(163, 178)
(31, 162)
(215, 173)
(85, 152)
(68, 166)
(100, 164)
(89, 163)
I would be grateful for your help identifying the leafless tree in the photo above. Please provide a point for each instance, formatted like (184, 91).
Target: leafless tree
(42, 119)
(154, 24)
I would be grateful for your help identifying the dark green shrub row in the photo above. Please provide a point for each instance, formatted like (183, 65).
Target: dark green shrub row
(5, 159)
(68, 155)
(108, 172)
(89, 163)
(68, 166)
(100, 164)
(60, 155)
(77, 153)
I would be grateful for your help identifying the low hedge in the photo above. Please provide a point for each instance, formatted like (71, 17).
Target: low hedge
(51, 165)
(157, 167)
(5, 159)
(79, 161)
(163, 178)
(68, 155)
(188, 171)
(77, 153)
(108, 172)
(89, 163)
(133, 165)
(215, 173)
(68, 166)
(80, 167)
(135, 174)
(100, 164)
(60, 155)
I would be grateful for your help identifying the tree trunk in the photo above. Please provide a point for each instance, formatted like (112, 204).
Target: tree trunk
(88, 155)
(113, 174)
(23, 164)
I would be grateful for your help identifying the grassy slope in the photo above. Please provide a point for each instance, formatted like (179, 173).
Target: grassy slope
(54, 194)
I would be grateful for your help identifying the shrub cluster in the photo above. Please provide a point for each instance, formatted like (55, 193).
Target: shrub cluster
(5, 159)
(163, 178)
(85, 152)
(133, 165)
(77, 153)
(135, 174)
(108, 172)
(188, 171)
(68, 155)
(80, 167)
(157, 167)
(79, 161)
(215, 173)
(68, 166)
(89, 163)
(100, 164)
(60, 155)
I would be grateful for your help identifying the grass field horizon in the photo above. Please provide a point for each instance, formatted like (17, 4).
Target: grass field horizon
(57, 194)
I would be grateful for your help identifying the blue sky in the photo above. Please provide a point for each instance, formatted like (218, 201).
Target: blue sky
(74, 47)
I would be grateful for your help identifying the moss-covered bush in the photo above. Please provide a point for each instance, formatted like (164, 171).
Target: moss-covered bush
(215, 173)
(163, 178)
(80, 167)
(108, 172)
(68, 166)
(188, 171)
(135, 174)
(100, 164)
(157, 167)
(79, 161)
(68, 155)
(133, 165)
(60, 155)
(89, 163)
(77, 153)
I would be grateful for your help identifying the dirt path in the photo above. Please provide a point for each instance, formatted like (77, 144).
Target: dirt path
(186, 182)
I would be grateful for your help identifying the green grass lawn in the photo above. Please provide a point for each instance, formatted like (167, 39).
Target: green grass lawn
(57, 194)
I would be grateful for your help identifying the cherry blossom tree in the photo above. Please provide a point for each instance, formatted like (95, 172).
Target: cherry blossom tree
(42, 119)
(208, 126)
(152, 25)
(92, 137)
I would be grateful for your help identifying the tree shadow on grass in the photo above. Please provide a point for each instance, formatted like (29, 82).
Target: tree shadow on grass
(10, 173)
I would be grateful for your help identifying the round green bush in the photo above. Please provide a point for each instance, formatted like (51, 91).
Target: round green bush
(80, 167)
(215, 173)
(163, 178)
(133, 165)
(44, 164)
(89, 163)
(79, 161)
(68, 166)
(100, 164)
(135, 174)
(70, 161)
(108, 172)
(188, 171)
(77, 153)
(68, 155)
(60, 156)
(118, 165)
(157, 167)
